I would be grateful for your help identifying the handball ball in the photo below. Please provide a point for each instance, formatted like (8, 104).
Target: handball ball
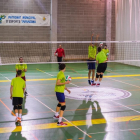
(56, 54)
(107, 54)
(68, 78)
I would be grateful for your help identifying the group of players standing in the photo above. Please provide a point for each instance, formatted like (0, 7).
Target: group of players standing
(18, 84)
(100, 58)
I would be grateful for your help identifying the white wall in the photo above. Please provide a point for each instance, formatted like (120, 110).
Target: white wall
(128, 29)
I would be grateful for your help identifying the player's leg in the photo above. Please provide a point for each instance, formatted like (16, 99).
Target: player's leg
(59, 59)
(15, 107)
(104, 67)
(56, 116)
(93, 72)
(89, 73)
(97, 74)
(26, 93)
(99, 71)
(101, 77)
(20, 108)
(63, 107)
(61, 99)
(93, 75)
(97, 78)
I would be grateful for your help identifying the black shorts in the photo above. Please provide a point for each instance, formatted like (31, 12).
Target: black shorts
(102, 67)
(17, 101)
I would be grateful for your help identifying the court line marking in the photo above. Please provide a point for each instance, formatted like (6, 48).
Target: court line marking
(5, 77)
(120, 103)
(75, 78)
(52, 111)
(63, 117)
(78, 86)
(7, 107)
(44, 72)
(114, 131)
(45, 126)
(34, 136)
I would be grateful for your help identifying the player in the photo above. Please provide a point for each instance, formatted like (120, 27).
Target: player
(106, 51)
(23, 68)
(16, 94)
(59, 89)
(92, 50)
(102, 66)
(60, 53)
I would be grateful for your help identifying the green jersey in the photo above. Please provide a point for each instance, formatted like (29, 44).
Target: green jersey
(18, 85)
(92, 52)
(21, 67)
(60, 88)
(101, 57)
(106, 51)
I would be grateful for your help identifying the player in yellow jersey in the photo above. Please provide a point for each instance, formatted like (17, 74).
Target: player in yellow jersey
(92, 51)
(106, 51)
(59, 89)
(16, 94)
(102, 66)
(23, 67)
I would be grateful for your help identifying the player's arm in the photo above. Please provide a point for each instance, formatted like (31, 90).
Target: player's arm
(58, 82)
(68, 90)
(92, 37)
(24, 87)
(25, 70)
(97, 38)
(16, 68)
(11, 91)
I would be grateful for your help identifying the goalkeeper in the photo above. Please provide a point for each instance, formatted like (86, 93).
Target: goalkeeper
(106, 51)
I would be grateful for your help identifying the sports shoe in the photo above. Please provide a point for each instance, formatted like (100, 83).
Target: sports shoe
(61, 124)
(56, 117)
(18, 119)
(26, 94)
(89, 82)
(98, 85)
(94, 84)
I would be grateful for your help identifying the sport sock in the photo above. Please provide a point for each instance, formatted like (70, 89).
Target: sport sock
(16, 115)
(19, 115)
(60, 119)
(56, 114)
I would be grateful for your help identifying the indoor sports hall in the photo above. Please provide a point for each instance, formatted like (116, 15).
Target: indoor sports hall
(35, 30)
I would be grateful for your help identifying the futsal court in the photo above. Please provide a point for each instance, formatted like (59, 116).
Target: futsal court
(96, 119)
